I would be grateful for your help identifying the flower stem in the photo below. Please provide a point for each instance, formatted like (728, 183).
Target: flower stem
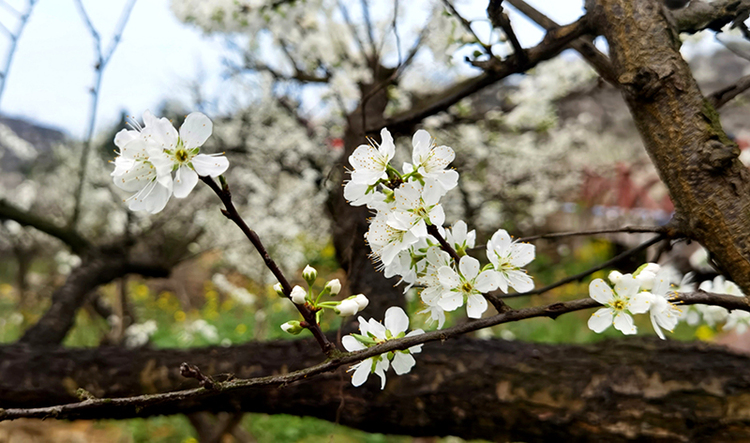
(231, 213)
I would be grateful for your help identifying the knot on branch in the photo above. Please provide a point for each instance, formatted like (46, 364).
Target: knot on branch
(191, 371)
(644, 83)
(719, 155)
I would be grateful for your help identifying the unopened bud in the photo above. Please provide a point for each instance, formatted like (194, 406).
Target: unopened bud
(615, 277)
(279, 290)
(334, 286)
(347, 308)
(361, 301)
(293, 327)
(298, 295)
(309, 274)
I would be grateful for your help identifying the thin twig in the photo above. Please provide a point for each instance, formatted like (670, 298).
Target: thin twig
(231, 213)
(467, 26)
(14, 36)
(725, 95)
(590, 271)
(102, 59)
(626, 229)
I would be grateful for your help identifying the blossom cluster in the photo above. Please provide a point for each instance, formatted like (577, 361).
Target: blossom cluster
(374, 333)
(149, 155)
(409, 218)
(652, 289)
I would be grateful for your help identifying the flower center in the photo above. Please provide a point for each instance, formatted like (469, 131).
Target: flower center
(618, 305)
(467, 287)
(181, 155)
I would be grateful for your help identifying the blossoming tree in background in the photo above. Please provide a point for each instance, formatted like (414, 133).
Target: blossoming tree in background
(468, 272)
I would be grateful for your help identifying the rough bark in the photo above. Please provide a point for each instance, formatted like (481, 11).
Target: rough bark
(681, 131)
(501, 391)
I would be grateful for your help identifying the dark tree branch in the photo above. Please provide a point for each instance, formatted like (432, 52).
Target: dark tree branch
(501, 20)
(725, 95)
(695, 159)
(585, 47)
(308, 314)
(69, 236)
(626, 229)
(580, 276)
(554, 42)
(514, 379)
(99, 266)
(700, 15)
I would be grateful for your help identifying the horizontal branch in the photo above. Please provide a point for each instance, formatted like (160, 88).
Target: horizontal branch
(700, 15)
(133, 406)
(725, 95)
(70, 237)
(626, 230)
(611, 262)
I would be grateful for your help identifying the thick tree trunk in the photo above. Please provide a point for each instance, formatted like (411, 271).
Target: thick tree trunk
(351, 223)
(681, 131)
(502, 391)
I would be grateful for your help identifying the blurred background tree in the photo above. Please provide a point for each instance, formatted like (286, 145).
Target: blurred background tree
(543, 142)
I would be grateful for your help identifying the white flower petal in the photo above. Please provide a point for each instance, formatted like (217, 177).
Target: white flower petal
(402, 363)
(624, 323)
(195, 130)
(600, 320)
(210, 165)
(486, 281)
(184, 181)
(469, 267)
(448, 277)
(520, 281)
(640, 303)
(600, 291)
(451, 301)
(396, 320)
(351, 344)
(521, 254)
(475, 305)
(361, 372)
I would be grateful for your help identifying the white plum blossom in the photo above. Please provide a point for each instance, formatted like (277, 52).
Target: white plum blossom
(371, 161)
(150, 153)
(460, 238)
(646, 275)
(386, 241)
(416, 206)
(714, 315)
(430, 161)
(469, 284)
(182, 149)
(142, 167)
(347, 308)
(373, 333)
(664, 314)
(507, 258)
(620, 304)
